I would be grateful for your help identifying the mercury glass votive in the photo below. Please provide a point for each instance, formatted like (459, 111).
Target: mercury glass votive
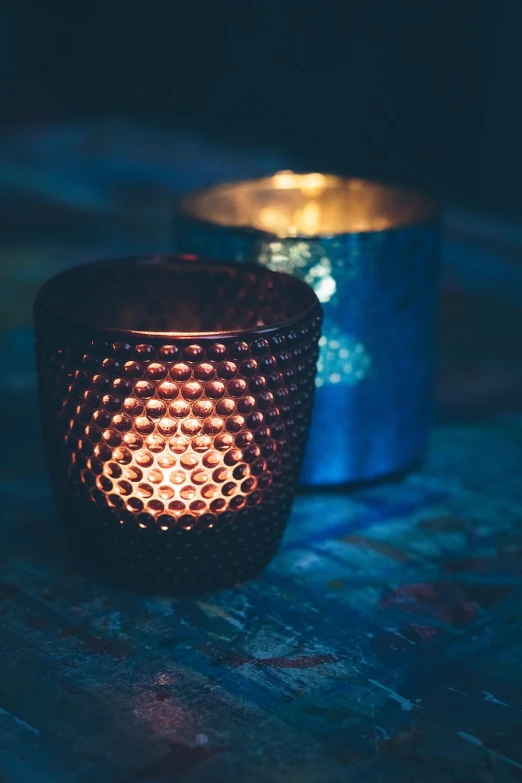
(175, 399)
(370, 251)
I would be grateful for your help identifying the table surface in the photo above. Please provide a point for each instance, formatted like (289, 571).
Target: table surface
(383, 643)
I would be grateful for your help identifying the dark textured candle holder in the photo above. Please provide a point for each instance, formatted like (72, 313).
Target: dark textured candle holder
(175, 398)
(370, 251)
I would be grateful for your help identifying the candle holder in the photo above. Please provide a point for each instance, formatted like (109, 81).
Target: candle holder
(370, 251)
(175, 399)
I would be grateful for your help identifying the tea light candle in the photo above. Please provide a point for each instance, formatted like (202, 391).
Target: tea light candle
(370, 251)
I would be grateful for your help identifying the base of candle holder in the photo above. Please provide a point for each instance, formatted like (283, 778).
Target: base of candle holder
(176, 561)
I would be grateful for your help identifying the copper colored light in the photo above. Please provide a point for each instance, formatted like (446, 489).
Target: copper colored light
(175, 398)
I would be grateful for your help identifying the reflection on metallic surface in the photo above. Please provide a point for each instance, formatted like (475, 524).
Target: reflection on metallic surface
(175, 401)
(370, 252)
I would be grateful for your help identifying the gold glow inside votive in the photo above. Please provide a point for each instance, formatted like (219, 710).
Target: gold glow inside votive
(291, 205)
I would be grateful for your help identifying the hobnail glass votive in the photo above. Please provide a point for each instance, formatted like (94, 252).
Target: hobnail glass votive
(175, 400)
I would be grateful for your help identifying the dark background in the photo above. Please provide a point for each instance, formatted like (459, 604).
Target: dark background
(423, 92)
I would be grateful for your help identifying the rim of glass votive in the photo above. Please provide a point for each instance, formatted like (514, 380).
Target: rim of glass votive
(44, 308)
(421, 208)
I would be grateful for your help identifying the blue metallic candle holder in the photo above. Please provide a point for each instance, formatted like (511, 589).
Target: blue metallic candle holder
(370, 251)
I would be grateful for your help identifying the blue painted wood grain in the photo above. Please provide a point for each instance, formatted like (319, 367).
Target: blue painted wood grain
(383, 643)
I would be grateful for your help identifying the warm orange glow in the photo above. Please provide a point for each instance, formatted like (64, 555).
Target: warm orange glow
(314, 204)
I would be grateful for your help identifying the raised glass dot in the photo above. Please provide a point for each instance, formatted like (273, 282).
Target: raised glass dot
(122, 423)
(248, 368)
(191, 390)
(167, 390)
(188, 492)
(144, 458)
(246, 404)
(209, 491)
(145, 490)
(111, 366)
(198, 505)
(144, 425)
(214, 425)
(103, 419)
(177, 506)
(165, 492)
(167, 426)
(216, 352)
(155, 443)
(122, 349)
(166, 460)
(133, 441)
(124, 487)
(223, 441)
(178, 477)
(178, 444)
(187, 521)
(240, 471)
(202, 443)
(204, 372)
(227, 370)
(180, 372)
(215, 390)
(111, 402)
(243, 439)
(179, 409)
(156, 409)
(115, 501)
(155, 476)
(122, 387)
(122, 455)
(103, 452)
(225, 407)
(156, 371)
(202, 409)
(100, 383)
(92, 398)
(104, 483)
(211, 459)
(135, 505)
(199, 476)
(155, 506)
(133, 370)
(237, 387)
(133, 406)
(145, 352)
(191, 427)
(233, 456)
(169, 353)
(112, 438)
(259, 347)
(133, 473)
(144, 389)
(248, 485)
(220, 475)
(235, 423)
(193, 353)
(189, 461)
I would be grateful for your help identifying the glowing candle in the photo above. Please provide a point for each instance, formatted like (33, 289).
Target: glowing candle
(370, 251)
(175, 400)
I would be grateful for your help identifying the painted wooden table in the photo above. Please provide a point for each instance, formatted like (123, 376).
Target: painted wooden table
(383, 643)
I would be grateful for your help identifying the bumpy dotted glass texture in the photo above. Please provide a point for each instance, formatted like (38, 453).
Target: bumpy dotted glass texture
(177, 457)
